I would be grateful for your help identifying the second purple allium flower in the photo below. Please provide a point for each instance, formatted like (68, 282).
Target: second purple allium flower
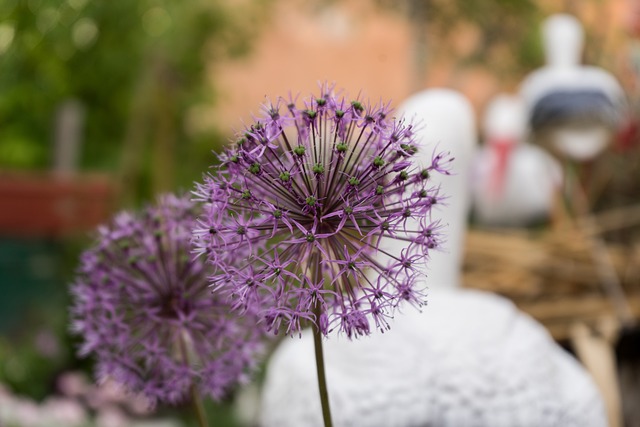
(297, 210)
(143, 307)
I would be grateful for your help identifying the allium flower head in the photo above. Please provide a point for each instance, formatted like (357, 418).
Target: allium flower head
(296, 212)
(143, 307)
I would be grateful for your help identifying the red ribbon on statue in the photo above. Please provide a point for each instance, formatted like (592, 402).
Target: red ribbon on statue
(502, 148)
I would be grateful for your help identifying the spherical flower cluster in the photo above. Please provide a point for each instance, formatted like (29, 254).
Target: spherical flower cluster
(296, 212)
(143, 307)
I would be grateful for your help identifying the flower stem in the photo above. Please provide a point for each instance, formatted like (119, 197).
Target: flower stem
(201, 415)
(322, 380)
(197, 404)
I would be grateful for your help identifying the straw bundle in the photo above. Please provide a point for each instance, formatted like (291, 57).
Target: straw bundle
(551, 275)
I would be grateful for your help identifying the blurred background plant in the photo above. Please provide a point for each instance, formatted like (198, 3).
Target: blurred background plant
(136, 68)
(130, 73)
(506, 33)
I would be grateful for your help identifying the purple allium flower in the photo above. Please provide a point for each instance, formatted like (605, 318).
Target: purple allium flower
(143, 307)
(296, 214)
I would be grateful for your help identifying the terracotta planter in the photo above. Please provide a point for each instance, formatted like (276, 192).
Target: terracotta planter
(53, 205)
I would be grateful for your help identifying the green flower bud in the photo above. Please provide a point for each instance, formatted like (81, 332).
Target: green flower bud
(299, 150)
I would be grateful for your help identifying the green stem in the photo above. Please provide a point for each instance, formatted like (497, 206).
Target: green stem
(322, 379)
(201, 415)
(197, 404)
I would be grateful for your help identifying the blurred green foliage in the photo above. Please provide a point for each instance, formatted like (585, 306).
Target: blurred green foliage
(510, 24)
(508, 31)
(137, 67)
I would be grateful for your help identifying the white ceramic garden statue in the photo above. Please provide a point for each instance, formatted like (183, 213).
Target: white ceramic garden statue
(513, 183)
(574, 109)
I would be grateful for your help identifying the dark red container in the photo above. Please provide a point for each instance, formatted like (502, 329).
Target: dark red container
(53, 205)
